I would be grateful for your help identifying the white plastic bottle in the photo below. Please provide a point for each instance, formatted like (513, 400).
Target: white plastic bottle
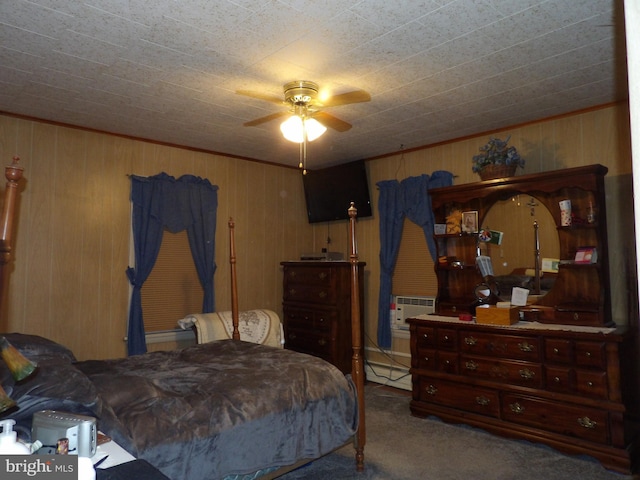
(9, 444)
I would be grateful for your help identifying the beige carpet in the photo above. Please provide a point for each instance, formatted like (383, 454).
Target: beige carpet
(402, 447)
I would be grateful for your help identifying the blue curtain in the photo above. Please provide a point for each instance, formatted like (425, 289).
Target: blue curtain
(162, 202)
(408, 198)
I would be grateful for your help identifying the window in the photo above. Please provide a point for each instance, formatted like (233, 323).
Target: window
(414, 272)
(173, 289)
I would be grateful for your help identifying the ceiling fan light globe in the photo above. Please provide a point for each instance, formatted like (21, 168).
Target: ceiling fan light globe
(314, 129)
(292, 129)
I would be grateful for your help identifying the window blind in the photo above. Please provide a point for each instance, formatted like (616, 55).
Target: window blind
(173, 289)
(414, 273)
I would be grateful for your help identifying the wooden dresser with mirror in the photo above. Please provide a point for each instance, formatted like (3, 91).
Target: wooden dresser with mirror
(563, 374)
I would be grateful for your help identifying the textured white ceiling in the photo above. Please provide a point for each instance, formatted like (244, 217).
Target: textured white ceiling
(168, 70)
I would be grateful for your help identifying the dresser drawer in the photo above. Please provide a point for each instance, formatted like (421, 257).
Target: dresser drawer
(308, 275)
(559, 379)
(504, 371)
(447, 362)
(450, 394)
(592, 384)
(446, 339)
(311, 343)
(572, 420)
(319, 294)
(425, 359)
(503, 346)
(590, 354)
(558, 351)
(425, 337)
(308, 319)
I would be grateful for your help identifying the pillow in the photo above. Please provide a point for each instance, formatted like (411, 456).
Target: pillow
(56, 384)
(36, 348)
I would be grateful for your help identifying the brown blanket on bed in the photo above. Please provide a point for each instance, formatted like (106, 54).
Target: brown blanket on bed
(225, 407)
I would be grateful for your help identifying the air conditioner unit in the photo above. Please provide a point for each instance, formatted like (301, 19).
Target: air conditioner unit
(407, 307)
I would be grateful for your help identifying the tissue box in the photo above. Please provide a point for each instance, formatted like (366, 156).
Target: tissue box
(497, 316)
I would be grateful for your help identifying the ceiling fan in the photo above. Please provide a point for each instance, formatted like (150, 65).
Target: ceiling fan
(302, 99)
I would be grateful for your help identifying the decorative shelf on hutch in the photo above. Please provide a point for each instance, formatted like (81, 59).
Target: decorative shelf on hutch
(557, 375)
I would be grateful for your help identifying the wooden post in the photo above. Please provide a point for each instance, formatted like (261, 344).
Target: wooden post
(234, 281)
(13, 173)
(357, 362)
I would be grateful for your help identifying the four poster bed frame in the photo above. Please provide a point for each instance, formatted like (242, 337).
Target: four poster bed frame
(275, 409)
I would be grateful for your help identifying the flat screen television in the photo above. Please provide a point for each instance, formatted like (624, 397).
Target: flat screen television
(330, 191)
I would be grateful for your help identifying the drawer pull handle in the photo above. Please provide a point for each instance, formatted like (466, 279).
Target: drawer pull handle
(292, 291)
(425, 335)
(471, 365)
(525, 347)
(588, 354)
(556, 379)
(322, 342)
(586, 422)
(426, 359)
(527, 374)
(590, 384)
(484, 401)
(576, 316)
(516, 408)
(470, 341)
(322, 275)
(292, 273)
(556, 351)
(454, 309)
(431, 390)
(446, 338)
(322, 294)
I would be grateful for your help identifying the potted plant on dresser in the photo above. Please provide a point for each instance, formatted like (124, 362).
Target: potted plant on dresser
(497, 160)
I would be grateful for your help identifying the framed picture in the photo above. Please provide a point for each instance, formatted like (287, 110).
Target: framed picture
(470, 222)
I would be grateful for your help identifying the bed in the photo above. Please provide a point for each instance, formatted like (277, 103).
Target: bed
(226, 409)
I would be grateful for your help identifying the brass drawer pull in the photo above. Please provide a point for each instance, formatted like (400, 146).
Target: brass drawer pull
(588, 354)
(527, 374)
(425, 335)
(586, 422)
(431, 390)
(556, 351)
(525, 347)
(446, 338)
(292, 291)
(322, 342)
(322, 275)
(322, 294)
(482, 400)
(470, 341)
(471, 365)
(516, 408)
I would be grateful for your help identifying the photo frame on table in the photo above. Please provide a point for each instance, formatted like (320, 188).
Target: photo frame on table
(470, 222)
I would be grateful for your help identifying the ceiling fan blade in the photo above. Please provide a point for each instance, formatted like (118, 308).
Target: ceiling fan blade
(268, 118)
(261, 96)
(356, 96)
(332, 122)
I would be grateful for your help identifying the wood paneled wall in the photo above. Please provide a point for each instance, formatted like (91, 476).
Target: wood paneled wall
(72, 237)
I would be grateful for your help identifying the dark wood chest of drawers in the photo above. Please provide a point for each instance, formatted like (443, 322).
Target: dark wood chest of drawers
(317, 309)
(552, 385)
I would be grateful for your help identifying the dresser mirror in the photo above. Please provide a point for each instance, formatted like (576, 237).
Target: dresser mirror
(577, 294)
(528, 234)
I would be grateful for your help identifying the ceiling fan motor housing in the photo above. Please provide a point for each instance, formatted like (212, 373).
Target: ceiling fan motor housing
(300, 92)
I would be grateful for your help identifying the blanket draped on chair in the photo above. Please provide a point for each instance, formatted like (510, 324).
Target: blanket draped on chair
(256, 326)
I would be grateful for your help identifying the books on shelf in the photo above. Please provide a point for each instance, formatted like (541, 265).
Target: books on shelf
(586, 255)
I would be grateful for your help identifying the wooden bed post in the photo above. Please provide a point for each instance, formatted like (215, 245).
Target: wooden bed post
(357, 362)
(234, 281)
(13, 173)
